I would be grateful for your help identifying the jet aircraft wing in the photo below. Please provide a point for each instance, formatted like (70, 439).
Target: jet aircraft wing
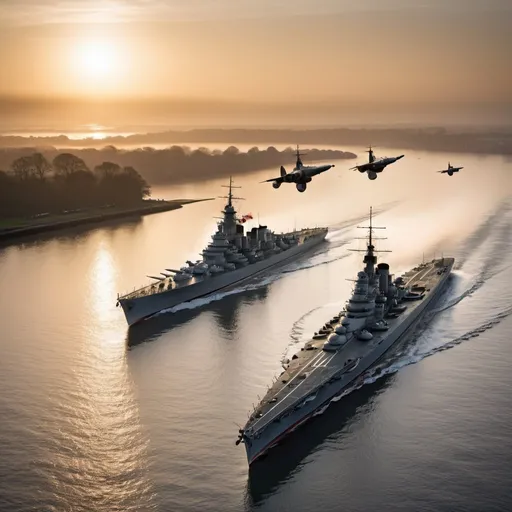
(278, 179)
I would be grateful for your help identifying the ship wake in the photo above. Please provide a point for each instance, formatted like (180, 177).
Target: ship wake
(377, 210)
(478, 239)
(325, 255)
(414, 357)
(485, 255)
(312, 264)
(203, 301)
(482, 278)
(299, 327)
(254, 284)
(486, 249)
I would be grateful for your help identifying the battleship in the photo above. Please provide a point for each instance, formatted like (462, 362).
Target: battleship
(382, 311)
(232, 258)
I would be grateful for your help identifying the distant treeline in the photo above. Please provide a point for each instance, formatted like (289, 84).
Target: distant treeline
(34, 185)
(179, 164)
(491, 141)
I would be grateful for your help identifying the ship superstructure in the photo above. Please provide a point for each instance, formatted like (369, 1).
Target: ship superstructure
(381, 311)
(232, 257)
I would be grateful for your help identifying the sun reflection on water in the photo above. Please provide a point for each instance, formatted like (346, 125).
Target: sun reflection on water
(102, 278)
(98, 460)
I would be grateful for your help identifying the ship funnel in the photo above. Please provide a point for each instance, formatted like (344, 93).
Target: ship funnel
(262, 233)
(383, 277)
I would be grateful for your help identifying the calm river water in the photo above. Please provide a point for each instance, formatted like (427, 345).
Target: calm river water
(96, 417)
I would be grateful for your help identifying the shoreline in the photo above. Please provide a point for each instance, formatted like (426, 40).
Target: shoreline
(155, 206)
(491, 140)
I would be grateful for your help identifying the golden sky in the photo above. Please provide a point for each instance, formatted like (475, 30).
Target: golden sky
(376, 51)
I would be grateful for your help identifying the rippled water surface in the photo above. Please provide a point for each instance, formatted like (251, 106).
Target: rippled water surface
(98, 417)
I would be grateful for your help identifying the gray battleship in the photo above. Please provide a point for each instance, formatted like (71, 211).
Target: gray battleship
(347, 349)
(231, 258)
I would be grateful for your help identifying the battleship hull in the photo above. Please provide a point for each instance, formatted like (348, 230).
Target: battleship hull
(141, 307)
(270, 434)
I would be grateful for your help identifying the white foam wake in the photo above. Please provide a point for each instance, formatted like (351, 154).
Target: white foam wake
(482, 278)
(253, 285)
(305, 266)
(203, 301)
(415, 356)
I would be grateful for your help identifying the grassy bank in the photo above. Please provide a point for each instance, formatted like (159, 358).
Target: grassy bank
(11, 228)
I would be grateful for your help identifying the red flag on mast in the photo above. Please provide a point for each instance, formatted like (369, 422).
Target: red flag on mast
(246, 217)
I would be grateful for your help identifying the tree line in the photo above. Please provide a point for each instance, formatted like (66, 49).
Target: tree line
(484, 140)
(34, 185)
(181, 164)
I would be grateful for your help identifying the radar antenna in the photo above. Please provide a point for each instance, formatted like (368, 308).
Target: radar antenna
(370, 259)
(230, 195)
(370, 229)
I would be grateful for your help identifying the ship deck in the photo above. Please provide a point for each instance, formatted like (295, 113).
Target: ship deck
(312, 366)
(169, 284)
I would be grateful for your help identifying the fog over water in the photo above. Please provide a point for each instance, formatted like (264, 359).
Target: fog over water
(99, 417)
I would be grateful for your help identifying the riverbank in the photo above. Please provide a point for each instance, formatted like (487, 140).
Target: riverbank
(480, 140)
(14, 228)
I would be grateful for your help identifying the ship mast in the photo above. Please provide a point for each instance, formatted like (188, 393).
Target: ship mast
(370, 259)
(229, 219)
(298, 163)
(371, 157)
(230, 195)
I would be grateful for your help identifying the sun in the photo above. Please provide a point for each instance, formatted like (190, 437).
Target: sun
(97, 58)
(98, 65)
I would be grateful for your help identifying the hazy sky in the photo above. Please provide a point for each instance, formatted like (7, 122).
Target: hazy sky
(372, 51)
(119, 11)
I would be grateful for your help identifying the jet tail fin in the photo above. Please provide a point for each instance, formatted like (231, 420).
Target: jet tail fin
(283, 171)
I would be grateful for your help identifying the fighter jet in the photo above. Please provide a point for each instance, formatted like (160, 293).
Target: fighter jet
(301, 174)
(375, 165)
(451, 169)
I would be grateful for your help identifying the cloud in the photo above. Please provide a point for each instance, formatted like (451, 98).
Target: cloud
(68, 11)
(31, 12)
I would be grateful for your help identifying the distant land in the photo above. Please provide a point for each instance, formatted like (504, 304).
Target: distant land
(21, 227)
(178, 164)
(38, 194)
(469, 140)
